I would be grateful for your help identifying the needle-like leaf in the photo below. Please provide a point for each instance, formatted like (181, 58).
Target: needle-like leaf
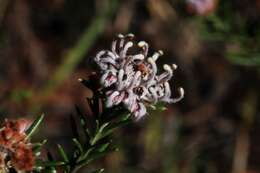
(34, 126)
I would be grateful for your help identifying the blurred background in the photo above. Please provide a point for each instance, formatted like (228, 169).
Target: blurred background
(46, 45)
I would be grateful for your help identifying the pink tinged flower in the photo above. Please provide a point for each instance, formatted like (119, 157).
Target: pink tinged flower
(201, 7)
(132, 78)
(106, 59)
(140, 111)
(108, 78)
(115, 98)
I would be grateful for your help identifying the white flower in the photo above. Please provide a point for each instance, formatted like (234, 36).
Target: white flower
(131, 79)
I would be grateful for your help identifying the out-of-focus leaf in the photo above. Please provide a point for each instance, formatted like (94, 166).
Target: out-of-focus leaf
(34, 126)
(244, 59)
(19, 95)
(98, 171)
(74, 127)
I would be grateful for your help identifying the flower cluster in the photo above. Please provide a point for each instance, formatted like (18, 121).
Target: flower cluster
(15, 150)
(201, 7)
(131, 79)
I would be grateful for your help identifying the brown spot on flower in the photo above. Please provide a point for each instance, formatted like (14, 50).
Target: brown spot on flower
(138, 90)
(143, 69)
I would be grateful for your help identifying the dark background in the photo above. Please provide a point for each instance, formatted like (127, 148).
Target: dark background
(46, 45)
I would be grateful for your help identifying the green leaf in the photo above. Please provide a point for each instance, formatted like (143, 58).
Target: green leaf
(103, 127)
(64, 156)
(103, 147)
(111, 128)
(83, 123)
(37, 146)
(34, 126)
(63, 153)
(95, 155)
(40, 163)
(78, 145)
(86, 154)
(107, 128)
(50, 165)
(160, 106)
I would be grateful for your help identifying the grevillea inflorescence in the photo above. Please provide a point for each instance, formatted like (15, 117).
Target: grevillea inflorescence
(131, 79)
(16, 151)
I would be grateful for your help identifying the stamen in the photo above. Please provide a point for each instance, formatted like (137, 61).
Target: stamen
(120, 79)
(97, 58)
(126, 47)
(144, 46)
(181, 95)
(113, 47)
(156, 55)
(136, 80)
(120, 36)
(174, 66)
(130, 35)
(166, 75)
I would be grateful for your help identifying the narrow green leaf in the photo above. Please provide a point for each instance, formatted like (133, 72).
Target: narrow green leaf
(244, 59)
(78, 145)
(96, 138)
(160, 106)
(37, 146)
(63, 153)
(103, 147)
(85, 155)
(99, 134)
(64, 156)
(49, 163)
(95, 155)
(83, 123)
(114, 126)
(103, 127)
(34, 126)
